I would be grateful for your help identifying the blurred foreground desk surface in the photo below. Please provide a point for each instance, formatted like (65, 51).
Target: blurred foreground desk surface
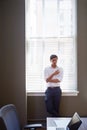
(52, 126)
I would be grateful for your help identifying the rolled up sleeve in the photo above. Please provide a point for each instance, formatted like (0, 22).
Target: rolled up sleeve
(60, 75)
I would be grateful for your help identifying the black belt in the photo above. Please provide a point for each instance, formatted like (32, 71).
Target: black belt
(54, 87)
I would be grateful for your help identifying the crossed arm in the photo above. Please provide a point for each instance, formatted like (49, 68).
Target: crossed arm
(49, 79)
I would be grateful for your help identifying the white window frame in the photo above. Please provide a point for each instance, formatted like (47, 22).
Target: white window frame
(64, 93)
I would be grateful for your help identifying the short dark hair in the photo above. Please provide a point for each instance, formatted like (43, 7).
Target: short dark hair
(53, 56)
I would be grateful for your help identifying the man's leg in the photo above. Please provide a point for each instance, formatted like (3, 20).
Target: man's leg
(49, 101)
(57, 98)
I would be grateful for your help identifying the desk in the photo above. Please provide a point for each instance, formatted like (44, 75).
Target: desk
(52, 126)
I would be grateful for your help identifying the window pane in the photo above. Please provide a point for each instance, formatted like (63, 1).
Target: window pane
(34, 65)
(38, 55)
(50, 18)
(65, 18)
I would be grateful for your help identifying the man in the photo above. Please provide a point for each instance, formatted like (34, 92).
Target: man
(53, 76)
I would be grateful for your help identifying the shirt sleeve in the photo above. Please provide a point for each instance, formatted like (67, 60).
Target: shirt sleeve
(60, 75)
(45, 73)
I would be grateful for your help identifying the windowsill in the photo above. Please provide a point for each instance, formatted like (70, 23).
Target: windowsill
(64, 93)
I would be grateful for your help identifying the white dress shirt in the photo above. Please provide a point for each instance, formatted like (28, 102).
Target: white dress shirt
(48, 71)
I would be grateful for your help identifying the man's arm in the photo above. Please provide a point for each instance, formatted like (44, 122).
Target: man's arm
(49, 79)
(54, 80)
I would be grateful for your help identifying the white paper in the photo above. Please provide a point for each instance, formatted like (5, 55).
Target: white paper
(61, 123)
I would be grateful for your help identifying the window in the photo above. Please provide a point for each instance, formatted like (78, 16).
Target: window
(50, 29)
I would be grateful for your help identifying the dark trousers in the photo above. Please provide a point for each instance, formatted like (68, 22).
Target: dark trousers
(52, 100)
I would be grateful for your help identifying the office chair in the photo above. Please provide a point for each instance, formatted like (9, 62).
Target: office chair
(9, 119)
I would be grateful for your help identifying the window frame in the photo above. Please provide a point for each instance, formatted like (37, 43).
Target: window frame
(67, 92)
(64, 93)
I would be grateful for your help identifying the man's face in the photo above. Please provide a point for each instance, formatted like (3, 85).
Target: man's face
(54, 61)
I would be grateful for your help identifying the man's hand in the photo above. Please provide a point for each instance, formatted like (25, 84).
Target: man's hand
(56, 72)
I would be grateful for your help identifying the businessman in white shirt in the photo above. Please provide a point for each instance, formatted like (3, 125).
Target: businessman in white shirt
(53, 76)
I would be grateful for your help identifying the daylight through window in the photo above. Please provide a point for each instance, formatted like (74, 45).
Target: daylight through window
(50, 29)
